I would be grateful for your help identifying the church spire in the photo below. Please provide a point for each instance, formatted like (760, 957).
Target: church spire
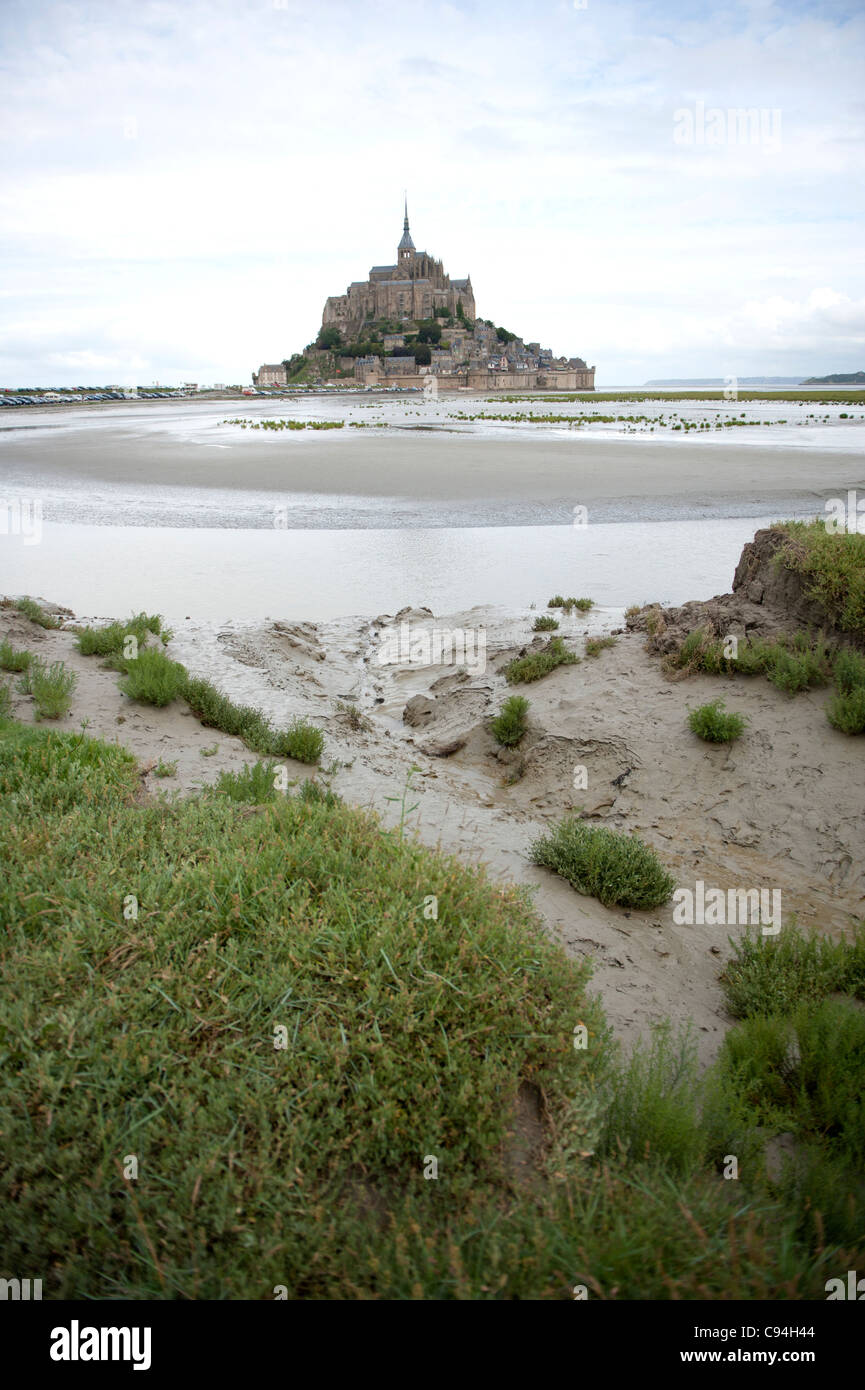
(406, 246)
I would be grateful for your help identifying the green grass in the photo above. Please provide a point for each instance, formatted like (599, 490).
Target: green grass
(714, 724)
(319, 793)
(849, 671)
(306, 916)
(582, 604)
(801, 1074)
(51, 687)
(12, 659)
(545, 623)
(215, 710)
(109, 639)
(152, 678)
(32, 610)
(847, 712)
(792, 661)
(774, 975)
(301, 923)
(5, 701)
(510, 725)
(301, 741)
(596, 645)
(614, 867)
(165, 769)
(654, 1105)
(833, 568)
(537, 664)
(255, 783)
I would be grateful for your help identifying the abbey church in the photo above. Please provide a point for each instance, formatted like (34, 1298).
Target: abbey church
(412, 289)
(409, 321)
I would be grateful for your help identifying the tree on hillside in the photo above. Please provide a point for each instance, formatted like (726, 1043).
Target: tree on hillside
(429, 332)
(422, 355)
(329, 339)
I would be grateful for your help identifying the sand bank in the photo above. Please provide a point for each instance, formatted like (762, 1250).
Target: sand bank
(468, 480)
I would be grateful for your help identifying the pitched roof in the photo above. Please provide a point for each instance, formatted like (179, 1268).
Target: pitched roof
(406, 243)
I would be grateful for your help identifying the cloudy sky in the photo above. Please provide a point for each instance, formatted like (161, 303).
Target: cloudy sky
(185, 183)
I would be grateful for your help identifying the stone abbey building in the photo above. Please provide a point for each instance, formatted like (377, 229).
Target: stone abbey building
(386, 312)
(412, 289)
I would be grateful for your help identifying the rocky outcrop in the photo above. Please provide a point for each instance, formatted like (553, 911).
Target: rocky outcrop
(768, 598)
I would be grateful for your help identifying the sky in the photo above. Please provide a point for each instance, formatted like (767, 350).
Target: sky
(185, 183)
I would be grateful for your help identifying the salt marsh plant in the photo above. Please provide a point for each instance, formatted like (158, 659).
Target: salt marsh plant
(353, 716)
(38, 615)
(616, 868)
(537, 664)
(849, 671)
(832, 566)
(12, 659)
(51, 688)
(109, 639)
(714, 724)
(509, 725)
(318, 793)
(255, 783)
(165, 769)
(775, 974)
(301, 741)
(847, 712)
(545, 623)
(791, 661)
(596, 645)
(152, 678)
(216, 711)
(567, 604)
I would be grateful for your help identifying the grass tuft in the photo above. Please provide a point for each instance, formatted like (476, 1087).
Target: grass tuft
(712, 723)
(152, 678)
(616, 868)
(254, 783)
(537, 664)
(596, 645)
(36, 613)
(12, 659)
(51, 688)
(510, 725)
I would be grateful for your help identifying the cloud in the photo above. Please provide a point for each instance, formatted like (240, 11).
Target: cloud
(189, 182)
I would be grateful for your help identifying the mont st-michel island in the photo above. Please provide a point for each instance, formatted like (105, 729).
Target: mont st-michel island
(409, 324)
